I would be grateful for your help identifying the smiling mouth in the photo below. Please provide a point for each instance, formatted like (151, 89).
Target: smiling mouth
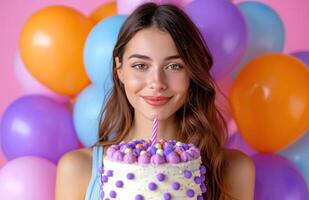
(157, 101)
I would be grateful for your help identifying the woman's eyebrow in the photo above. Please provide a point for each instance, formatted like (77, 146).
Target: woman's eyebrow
(148, 58)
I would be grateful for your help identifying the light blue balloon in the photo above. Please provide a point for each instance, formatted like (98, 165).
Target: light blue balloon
(298, 153)
(99, 48)
(265, 31)
(86, 112)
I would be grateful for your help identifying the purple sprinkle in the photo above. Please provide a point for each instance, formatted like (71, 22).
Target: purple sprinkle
(175, 186)
(200, 197)
(197, 180)
(119, 183)
(203, 178)
(152, 186)
(185, 146)
(113, 194)
(203, 169)
(161, 177)
(101, 170)
(203, 188)
(109, 173)
(190, 193)
(137, 151)
(153, 150)
(104, 179)
(139, 197)
(130, 176)
(168, 149)
(106, 198)
(167, 196)
(102, 194)
(187, 173)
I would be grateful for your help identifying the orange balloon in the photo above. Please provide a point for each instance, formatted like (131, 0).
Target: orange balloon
(104, 11)
(51, 46)
(270, 101)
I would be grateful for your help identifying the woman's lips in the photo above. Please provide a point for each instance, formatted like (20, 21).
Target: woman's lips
(156, 101)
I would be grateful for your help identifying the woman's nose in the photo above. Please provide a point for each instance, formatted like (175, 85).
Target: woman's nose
(157, 79)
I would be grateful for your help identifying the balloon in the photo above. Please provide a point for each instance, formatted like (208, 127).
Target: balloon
(298, 153)
(104, 11)
(31, 85)
(2, 157)
(223, 89)
(99, 48)
(224, 30)
(51, 46)
(127, 7)
(37, 125)
(277, 179)
(28, 178)
(270, 99)
(303, 56)
(237, 142)
(295, 15)
(86, 114)
(265, 31)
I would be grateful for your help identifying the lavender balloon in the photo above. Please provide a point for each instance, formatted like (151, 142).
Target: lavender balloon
(36, 125)
(224, 30)
(236, 141)
(303, 56)
(278, 179)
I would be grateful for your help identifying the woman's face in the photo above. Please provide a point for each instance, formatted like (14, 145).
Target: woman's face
(152, 68)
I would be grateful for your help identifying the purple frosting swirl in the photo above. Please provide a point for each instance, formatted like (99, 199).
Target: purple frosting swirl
(157, 159)
(185, 156)
(173, 158)
(110, 152)
(144, 159)
(117, 156)
(129, 158)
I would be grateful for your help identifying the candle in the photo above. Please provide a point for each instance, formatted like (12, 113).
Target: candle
(154, 131)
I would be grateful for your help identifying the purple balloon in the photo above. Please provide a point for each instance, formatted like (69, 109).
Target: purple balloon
(224, 30)
(303, 56)
(36, 125)
(278, 179)
(236, 141)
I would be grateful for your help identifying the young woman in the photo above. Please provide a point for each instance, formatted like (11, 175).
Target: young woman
(161, 68)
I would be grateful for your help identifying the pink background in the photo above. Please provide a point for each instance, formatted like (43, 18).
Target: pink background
(14, 13)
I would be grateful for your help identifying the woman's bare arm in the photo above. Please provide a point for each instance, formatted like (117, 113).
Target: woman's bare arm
(240, 175)
(73, 175)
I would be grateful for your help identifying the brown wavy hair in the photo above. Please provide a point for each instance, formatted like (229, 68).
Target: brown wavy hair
(199, 120)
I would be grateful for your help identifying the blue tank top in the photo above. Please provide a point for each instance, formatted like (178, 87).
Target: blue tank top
(93, 190)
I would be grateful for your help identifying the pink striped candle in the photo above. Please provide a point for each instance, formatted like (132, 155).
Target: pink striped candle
(154, 131)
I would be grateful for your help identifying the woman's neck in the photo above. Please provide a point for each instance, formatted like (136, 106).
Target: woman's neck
(142, 128)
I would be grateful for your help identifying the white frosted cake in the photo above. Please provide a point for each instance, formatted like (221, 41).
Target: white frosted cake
(138, 171)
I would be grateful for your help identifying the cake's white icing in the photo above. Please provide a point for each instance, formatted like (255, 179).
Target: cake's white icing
(144, 174)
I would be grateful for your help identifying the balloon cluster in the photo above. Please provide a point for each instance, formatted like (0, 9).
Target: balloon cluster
(64, 64)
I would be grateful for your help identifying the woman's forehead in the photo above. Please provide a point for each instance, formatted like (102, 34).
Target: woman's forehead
(151, 42)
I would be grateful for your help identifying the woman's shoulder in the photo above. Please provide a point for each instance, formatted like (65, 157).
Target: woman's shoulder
(237, 158)
(239, 174)
(73, 174)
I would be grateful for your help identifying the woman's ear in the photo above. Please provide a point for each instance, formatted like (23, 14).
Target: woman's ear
(119, 69)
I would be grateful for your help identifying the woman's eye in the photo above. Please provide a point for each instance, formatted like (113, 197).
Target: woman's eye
(174, 66)
(139, 66)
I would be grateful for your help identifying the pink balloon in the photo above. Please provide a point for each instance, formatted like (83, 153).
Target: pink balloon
(2, 158)
(223, 88)
(127, 7)
(31, 85)
(28, 178)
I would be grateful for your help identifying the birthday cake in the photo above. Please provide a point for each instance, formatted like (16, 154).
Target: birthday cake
(140, 170)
